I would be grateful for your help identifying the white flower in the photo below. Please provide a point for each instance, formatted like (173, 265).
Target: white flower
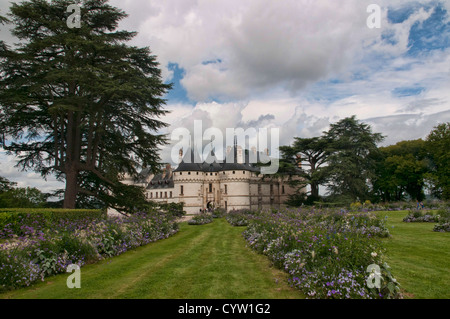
(374, 254)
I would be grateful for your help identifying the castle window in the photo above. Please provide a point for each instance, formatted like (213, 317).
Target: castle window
(165, 194)
(226, 206)
(234, 172)
(170, 194)
(197, 173)
(271, 188)
(151, 195)
(189, 173)
(243, 172)
(282, 189)
(181, 190)
(210, 188)
(181, 173)
(226, 189)
(156, 194)
(160, 194)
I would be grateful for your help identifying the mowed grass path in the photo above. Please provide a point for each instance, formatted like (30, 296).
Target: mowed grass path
(199, 262)
(419, 257)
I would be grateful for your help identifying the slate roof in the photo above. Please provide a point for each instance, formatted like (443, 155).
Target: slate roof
(160, 181)
(212, 164)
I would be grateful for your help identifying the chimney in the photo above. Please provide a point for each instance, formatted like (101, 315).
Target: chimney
(240, 155)
(253, 156)
(228, 150)
(169, 170)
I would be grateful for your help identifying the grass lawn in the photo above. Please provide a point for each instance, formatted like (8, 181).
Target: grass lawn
(419, 257)
(207, 261)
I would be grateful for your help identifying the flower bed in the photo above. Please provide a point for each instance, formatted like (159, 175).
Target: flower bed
(441, 217)
(23, 221)
(326, 253)
(239, 217)
(43, 252)
(444, 221)
(201, 219)
(417, 216)
(442, 227)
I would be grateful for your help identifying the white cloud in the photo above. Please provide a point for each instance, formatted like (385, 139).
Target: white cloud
(261, 43)
(27, 178)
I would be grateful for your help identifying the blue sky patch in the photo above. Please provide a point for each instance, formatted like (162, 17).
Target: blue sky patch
(178, 93)
(431, 34)
(407, 91)
(402, 14)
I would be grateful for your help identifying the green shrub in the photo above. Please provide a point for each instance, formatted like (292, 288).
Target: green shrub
(442, 227)
(201, 219)
(218, 213)
(240, 217)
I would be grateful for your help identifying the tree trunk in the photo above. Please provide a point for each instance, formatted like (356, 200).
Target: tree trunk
(70, 194)
(314, 190)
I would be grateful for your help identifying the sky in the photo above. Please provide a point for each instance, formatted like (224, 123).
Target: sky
(296, 65)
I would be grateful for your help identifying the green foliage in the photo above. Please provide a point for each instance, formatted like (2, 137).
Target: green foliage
(438, 147)
(400, 171)
(353, 149)
(23, 198)
(219, 212)
(357, 170)
(80, 103)
(12, 196)
(174, 209)
(304, 159)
